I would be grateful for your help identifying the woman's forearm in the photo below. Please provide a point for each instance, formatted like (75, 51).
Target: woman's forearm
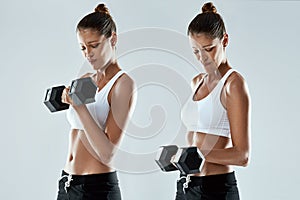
(228, 156)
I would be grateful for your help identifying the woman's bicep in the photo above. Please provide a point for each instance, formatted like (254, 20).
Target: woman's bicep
(238, 110)
(121, 105)
(113, 130)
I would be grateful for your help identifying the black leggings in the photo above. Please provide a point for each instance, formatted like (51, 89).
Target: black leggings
(89, 187)
(213, 187)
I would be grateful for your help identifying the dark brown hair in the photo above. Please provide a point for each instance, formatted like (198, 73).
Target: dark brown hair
(99, 20)
(208, 22)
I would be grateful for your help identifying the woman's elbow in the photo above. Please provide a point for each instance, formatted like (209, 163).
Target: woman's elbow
(244, 159)
(106, 159)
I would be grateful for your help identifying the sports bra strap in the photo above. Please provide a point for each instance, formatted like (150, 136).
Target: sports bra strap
(227, 74)
(112, 81)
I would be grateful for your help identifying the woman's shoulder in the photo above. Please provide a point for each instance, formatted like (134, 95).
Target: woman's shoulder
(125, 77)
(236, 82)
(124, 81)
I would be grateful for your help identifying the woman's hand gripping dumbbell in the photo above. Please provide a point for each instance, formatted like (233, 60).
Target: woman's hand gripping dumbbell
(81, 91)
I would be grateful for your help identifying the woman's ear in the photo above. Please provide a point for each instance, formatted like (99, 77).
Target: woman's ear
(225, 40)
(113, 39)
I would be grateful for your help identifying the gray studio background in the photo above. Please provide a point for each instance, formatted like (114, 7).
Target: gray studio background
(39, 49)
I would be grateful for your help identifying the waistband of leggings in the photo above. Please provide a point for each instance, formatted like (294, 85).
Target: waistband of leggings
(218, 178)
(90, 178)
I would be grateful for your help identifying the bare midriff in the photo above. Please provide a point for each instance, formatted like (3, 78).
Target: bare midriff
(79, 160)
(209, 142)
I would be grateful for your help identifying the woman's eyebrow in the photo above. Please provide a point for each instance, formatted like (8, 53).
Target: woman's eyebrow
(207, 45)
(91, 42)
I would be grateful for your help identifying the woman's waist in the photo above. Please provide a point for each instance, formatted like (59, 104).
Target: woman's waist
(82, 163)
(214, 180)
(81, 158)
(85, 168)
(89, 178)
(213, 169)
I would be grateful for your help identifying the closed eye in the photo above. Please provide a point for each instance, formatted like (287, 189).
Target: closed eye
(196, 52)
(95, 45)
(209, 49)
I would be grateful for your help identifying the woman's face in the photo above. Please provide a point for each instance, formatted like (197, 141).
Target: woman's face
(210, 52)
(96, 48)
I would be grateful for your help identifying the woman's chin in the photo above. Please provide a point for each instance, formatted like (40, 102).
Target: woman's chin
(95, 66)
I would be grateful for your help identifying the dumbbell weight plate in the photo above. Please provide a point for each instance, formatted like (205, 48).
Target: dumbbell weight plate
(189, 160)
(164, 157)
(53, 99)
(83, 91)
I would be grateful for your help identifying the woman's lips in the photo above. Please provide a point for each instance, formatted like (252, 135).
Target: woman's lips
(92, 61)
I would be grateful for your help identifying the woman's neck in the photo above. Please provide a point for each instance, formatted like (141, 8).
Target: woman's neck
(108, 72)
(223, 68)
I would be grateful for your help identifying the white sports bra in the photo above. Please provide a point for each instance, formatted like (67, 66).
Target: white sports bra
(208, 114)
(99, 109)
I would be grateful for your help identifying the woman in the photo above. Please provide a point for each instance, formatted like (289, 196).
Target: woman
(222, 128)
(96, 128)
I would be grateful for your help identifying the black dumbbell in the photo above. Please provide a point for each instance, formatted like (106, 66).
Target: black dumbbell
(53, 99)
(82, 91)
(165, 156)
(187, 160)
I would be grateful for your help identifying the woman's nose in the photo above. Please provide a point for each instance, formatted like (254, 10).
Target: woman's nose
(89, 53)
(203, 56)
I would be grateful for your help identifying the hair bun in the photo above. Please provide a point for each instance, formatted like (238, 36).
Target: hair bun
(209, 7)
(102, 8)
